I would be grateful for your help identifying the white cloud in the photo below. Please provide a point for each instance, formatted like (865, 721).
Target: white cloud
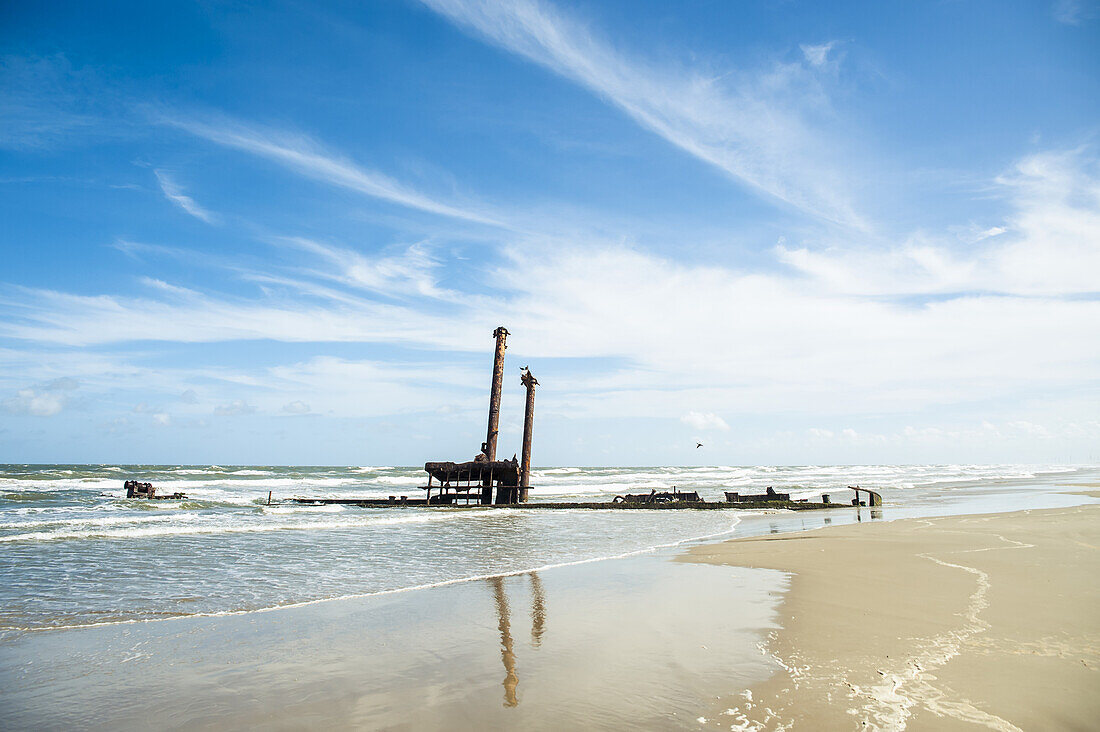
(704, 421)
(1030, 428)
(1071, 12)
(984, 234)
(161, 419)
(357, 388)
(296, 407)
(37, 403)
(175, 194)
(686, 333)
(410, 273)
(817, 55)
(84, 320)
(818, 341)
(234, 408)
(41, 400)
(765, 129)
(305, 156)
(1049, 246)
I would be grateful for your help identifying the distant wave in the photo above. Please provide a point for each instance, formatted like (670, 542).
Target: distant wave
(209, 528)
(91, 521)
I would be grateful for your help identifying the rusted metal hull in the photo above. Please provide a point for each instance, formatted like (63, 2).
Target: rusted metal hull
(475, 471)
(598, 506)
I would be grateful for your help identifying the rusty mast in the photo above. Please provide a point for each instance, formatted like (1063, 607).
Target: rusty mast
(489, 448)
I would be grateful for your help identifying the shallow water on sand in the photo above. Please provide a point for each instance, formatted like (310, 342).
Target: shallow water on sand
(74, 551)
(596, 646)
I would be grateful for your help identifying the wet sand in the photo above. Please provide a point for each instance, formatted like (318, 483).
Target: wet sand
(641, 643)
(965, 622)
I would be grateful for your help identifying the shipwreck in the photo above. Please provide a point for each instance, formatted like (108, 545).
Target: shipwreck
(486, 481)
(148, 491)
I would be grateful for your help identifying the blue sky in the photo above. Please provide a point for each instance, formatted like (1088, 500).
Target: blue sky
(796, 232)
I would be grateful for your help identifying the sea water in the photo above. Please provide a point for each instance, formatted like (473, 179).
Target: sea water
(75, 552)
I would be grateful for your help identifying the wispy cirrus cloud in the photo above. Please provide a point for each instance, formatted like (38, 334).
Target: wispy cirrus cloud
(1049, 245)
(1073, 12)
(817, 54)
(48, 102)
(411, 272)
(832, 335)
(758, 127)
(174, 193)
(76, 320)
(309, 158)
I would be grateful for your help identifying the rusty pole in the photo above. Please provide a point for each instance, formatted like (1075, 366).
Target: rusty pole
(530, 382)
(490, 446)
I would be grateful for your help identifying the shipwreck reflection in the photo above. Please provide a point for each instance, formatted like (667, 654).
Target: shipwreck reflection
(538, 609)
(504, 625)
(507, 654)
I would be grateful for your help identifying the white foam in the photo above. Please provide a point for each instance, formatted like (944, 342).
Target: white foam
(425, 586)
(223, 528)
(94, 521)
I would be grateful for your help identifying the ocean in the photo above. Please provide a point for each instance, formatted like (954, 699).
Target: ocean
(75, 552)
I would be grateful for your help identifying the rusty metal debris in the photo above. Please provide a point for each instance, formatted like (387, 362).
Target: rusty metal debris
(770, 495)
(489, 447)
(653, 497)
(135, 489)
(873, 498)
(529, 382)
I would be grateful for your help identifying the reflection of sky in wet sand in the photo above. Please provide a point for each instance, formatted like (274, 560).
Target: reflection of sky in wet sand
(643, 641)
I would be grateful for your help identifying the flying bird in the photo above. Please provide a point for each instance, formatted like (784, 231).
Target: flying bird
(698, 445)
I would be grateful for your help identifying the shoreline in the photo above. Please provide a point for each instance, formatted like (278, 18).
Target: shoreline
(839, 512)
(653, 640)
(928, 623)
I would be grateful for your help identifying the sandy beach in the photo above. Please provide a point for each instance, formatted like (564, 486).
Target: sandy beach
(963, 622)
